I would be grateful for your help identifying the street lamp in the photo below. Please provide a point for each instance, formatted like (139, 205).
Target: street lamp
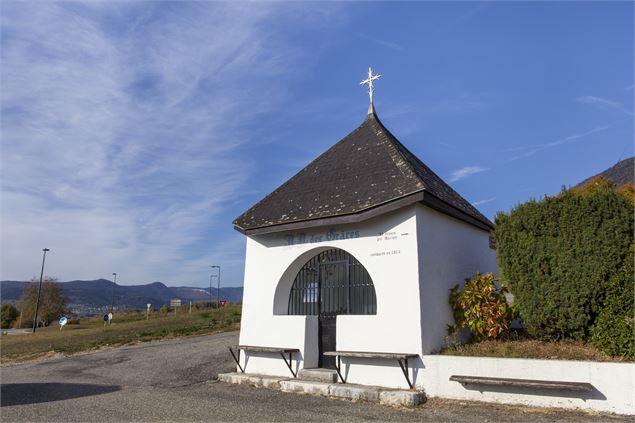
(112, 304)
(218, 289)
(212, 277)
(37, 302)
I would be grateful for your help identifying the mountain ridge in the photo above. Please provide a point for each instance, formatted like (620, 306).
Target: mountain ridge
(98, 293)
(621, 173)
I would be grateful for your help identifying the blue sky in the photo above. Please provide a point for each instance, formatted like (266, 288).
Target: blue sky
(133, 133)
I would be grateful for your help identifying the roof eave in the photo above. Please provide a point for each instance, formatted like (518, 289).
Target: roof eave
(336, 220)
(420, 196)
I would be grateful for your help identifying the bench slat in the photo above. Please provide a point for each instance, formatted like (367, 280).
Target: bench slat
(368, 354)
(266, 349)
(524, 383)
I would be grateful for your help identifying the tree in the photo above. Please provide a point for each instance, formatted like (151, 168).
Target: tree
(52, 301)
(8, 314)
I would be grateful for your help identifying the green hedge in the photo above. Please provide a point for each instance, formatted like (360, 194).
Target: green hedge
(558, 254)
(613, 331)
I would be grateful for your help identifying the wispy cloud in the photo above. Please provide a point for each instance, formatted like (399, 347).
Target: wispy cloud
(464, 172)
(385, 43)
(530, 150)
(590, 99)
(603, 103)
(122, 131)
(488, 200)
(630, 87)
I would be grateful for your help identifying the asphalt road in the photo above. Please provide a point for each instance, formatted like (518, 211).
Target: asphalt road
(175, 380)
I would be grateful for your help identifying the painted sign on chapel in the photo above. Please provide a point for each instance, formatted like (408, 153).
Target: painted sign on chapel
(331, 235)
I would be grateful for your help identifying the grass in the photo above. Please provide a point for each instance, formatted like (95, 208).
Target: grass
(523, 347)
(126, 328)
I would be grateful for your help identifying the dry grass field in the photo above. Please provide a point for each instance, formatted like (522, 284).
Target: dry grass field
(532, 348)
(126, 328)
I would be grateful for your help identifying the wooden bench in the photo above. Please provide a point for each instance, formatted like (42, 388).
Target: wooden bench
(402, 359)
(281, 351)
(523, 383)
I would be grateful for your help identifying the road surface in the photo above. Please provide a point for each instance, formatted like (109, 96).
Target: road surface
(174, 380)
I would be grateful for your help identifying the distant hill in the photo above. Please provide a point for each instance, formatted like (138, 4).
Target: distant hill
(98, 293)
(621, 174)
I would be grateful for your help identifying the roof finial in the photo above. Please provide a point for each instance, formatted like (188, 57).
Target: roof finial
(369, 81)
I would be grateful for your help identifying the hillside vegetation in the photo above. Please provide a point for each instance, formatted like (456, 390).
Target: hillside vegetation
(622, 173)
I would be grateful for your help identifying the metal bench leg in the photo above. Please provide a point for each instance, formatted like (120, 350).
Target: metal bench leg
(404, 369)
(338, 369)
(236, 359)
(289, 363)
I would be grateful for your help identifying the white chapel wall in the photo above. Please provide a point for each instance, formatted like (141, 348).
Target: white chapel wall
(450, 250)
(386, 246)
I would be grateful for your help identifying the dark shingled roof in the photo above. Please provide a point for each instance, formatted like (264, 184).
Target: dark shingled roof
(366, 169)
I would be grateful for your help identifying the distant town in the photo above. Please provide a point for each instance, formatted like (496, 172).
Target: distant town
(94, 297)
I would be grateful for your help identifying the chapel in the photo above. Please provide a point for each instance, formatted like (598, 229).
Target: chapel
(349, 263)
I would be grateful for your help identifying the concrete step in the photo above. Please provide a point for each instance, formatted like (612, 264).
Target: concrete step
(318, 375)
(251, 379)
(305, 387)
(386, 396)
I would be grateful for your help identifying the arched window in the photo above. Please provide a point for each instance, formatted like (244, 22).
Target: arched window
(331, 283)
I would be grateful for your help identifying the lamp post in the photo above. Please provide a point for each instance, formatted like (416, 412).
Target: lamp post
(112, 304)
(37, 302)
(211, 301)
(218, 289)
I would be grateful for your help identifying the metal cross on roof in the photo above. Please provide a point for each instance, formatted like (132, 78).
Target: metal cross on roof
(369, 81)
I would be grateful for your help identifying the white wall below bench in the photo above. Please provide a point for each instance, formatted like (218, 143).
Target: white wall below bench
(614, 383)
(299, 332)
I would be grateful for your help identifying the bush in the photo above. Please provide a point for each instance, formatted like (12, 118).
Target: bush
(8, 314)
(613, 332)
(482, 307)
(558, 254)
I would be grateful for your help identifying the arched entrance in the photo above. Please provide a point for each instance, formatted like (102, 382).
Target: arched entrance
(332, 282)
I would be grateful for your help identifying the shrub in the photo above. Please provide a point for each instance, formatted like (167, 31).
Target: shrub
(8, 314)
(482, 307)
(164, 309)
(613, 331)
(558, 254)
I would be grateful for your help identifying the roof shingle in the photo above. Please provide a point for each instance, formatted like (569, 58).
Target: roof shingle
(367, 168)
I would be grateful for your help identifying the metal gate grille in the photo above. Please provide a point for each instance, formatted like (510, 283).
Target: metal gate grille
(331, 283)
